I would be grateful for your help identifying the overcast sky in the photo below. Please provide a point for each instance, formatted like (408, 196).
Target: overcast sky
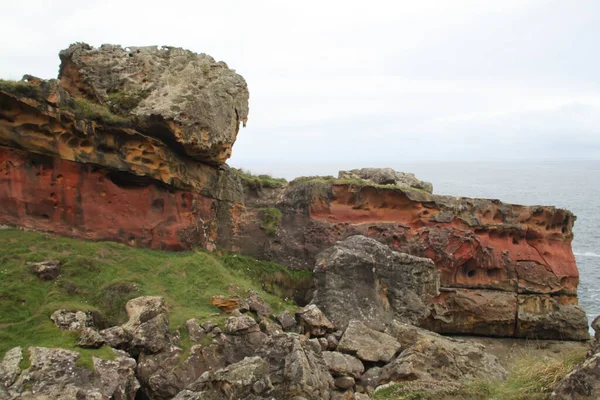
(362, 83)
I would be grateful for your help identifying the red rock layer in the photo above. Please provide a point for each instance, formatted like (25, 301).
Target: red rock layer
(91, 202)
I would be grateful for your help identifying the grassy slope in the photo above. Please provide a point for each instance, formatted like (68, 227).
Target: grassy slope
(103, 276)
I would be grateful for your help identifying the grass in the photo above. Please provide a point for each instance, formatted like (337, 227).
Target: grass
(103, 276)
(530, 378)
(22, 89)
(86, 109)
(271, 220)
(123, 102)
(258, 182)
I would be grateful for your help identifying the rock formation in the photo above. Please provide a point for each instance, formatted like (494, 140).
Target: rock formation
(129, 145)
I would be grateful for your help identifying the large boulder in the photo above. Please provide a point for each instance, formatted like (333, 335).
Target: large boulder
(54, 374)
(182, 98)
(368, 344)
(287, 366)
(340, 364)
(361, 278)
(9, 367)
(387, 176)
(313, 322)
(583, 383)
(429, 356)
(148, 325)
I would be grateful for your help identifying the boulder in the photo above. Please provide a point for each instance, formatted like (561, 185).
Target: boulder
(73, 320)
(387, 176)
(551, 317)
(340, 364)
(361, 278)
(176, 95)
(313, 322)
(90, 338)
(368, 344)
(257, 304)
(285, 367)
(229, 304)
(143, 309)
(9, 367)
(116, 337)
(148, 324)
(54, 374)
(195, 331)
(596, 327)
(286, 320)
(583, 383)
(344, 382)
(46, 270)
(432, 357)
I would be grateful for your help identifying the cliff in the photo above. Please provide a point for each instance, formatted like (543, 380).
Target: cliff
(129, 145)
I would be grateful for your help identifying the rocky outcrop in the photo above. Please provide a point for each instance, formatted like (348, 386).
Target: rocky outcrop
(387, 176)
(55, 374)
(361, 278)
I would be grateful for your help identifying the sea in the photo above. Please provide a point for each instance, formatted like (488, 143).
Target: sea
(574, 185)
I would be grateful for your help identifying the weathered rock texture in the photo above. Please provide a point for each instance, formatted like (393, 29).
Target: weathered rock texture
(128, 145)
(361, 278)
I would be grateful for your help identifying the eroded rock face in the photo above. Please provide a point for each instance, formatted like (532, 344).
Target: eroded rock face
(361, 278)
(178, 96)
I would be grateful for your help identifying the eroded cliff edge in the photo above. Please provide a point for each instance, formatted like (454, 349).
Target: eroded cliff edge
(129, 145)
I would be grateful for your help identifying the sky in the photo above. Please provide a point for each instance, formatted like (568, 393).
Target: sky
(357, 83)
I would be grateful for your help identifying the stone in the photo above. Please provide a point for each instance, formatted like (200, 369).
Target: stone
(72, 320)
(344, 382)
(229, 304)
(190, 98)
(258, 305)
(481, 312)
(269, 328)
(387, 176)
(143, 309)
(370, 379)
(90, 338)
(433, 357)
(360, 278)
(313, 321)
(340, 364)
(46, 270)
(151, 336)
(551, 317)
(332, 342)
(9, 367)
(54, 374)
(596, 327)
(116, 337)
(195, 331)
(368, 344)
(208, 326)
(286, 320)
(241, 325)
(582, 382)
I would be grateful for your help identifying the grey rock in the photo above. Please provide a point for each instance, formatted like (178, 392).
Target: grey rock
(195, 331)
(9, 367)
(344, 382)
(46, 270)
(72, 320)
(313, 321)
(143, 309)
(596, 327)
(54, 374)
(387, 176)
(258, 305)
(370, 379)
(360, 278)
(323, 343)
(208, 326)
(286, 321)
(90, 338)
(332, 342)
(368, 344)
(116, 337)
(269, 328)
(190, 98)
(240, 325)
(433, 357)
(151, 336)
(340, 364)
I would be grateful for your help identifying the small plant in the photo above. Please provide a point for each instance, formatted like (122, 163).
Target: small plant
(22, 89)
(271, 219)
(123, 102)
(86, 109)
(258, 182)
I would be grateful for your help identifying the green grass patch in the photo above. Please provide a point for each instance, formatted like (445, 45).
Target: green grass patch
(258, 182)
(22, 89)
(331, 180)
(103, 276)
(530, 378)
(86, 109)
(123, 102)
(271, 220)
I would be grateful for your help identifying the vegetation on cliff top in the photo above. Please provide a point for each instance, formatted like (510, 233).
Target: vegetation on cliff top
(331, 180)
(103, 276)
(530, 378)
(257, 182)
(21, 89)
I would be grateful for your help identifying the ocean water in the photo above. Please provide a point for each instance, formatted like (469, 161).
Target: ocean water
(574, 185)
